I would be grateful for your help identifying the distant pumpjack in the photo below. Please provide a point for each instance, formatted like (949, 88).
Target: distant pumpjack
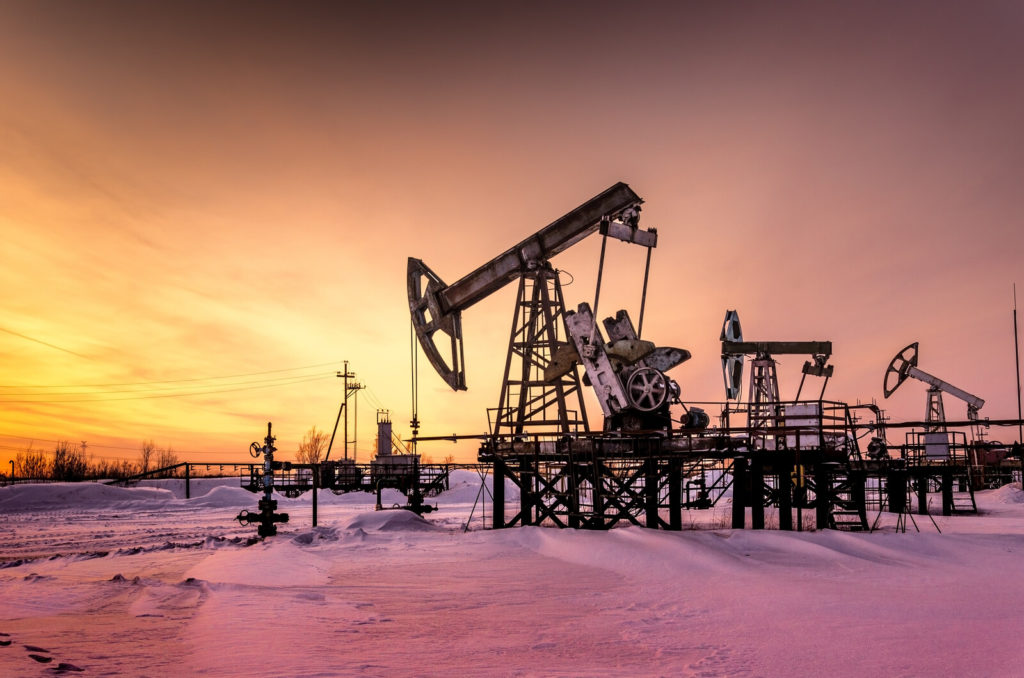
(763, 400)
(904, 366)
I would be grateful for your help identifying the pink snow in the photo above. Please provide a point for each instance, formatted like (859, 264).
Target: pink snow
(141, 581)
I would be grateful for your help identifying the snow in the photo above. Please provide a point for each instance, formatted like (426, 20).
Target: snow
(140, 581)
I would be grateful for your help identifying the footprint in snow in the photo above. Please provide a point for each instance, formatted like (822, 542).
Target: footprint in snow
(65, 667)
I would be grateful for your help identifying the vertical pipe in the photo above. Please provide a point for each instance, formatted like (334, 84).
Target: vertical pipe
(947, 491)
(822, 494)
(498, 493)
(739, 481)
(268, 466)
(651, 519)
(316, 489)
(675, 496)
(922, 493)
(525, 492)
(757, 493)
(858, 491)
(574, 493)
(784, 490)
(896, 490)
(1016, 353)
(800, 493)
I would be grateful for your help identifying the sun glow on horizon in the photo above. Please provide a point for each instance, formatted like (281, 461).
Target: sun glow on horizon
(187, 195)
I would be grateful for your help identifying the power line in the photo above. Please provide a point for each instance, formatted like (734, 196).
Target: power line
(376, 401)
(301, 380)
(272, 380)
(34, 439)
(172, 381)
(44, 343)
(11, 447)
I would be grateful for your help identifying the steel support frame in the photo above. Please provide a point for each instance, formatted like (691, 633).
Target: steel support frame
(527, 403)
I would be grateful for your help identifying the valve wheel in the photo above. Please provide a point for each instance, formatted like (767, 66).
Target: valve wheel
(647, 389)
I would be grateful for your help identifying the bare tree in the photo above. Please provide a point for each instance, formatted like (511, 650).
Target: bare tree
(146, 454)
(31, 463)
(126, 469)
(312, 447)
(105, 468)
(69, 463)
(167, 457)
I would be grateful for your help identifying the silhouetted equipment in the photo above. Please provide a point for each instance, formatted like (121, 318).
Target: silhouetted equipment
(788, 456)
(400, 470)
(764, 404)
(878, 449)
(546, 341)
(904, 366)
(436, 306)
(267, 518)
(628, 373)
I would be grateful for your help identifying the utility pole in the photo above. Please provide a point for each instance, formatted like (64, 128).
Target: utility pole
(344, 404)
(346, 375)
(349, 388)
(1016, 353)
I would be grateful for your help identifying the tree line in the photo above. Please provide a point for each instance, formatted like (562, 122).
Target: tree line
(69, 462)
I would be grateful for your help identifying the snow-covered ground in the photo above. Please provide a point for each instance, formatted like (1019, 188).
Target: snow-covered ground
(142, 582)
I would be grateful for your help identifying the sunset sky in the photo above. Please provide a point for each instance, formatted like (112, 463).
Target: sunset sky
(216, 201)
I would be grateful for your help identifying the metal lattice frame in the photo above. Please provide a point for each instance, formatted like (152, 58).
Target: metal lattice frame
(763, 401)
(529, 404)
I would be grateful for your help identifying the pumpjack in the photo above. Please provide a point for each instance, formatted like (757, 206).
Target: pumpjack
(904, 366)
(765, 409)
(541, 384)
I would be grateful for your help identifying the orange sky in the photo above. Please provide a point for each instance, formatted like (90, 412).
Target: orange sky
(191, 191)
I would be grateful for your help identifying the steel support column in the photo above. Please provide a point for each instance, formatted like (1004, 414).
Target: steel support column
(739, 483)
(675, 496)
(498, 494)
(784, 490)
(757, 493)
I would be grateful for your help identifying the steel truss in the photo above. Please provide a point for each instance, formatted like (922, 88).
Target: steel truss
(528, 402)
